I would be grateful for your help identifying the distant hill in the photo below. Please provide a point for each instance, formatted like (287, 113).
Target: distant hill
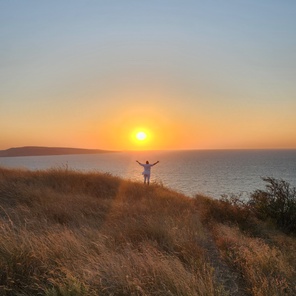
(39, 151)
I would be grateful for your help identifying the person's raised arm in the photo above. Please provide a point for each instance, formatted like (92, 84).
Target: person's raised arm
(156, 162)
(139, 162)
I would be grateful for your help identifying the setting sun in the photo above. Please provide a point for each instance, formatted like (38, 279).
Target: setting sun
(141, 136)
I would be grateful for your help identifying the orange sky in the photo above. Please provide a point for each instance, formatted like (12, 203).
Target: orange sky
(168, 125)
(193, 75)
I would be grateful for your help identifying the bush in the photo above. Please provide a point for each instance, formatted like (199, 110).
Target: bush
(277, 202)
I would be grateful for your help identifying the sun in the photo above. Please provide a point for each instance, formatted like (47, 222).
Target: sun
(141, 136)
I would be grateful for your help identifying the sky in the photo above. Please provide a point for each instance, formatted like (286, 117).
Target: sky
(190, 74)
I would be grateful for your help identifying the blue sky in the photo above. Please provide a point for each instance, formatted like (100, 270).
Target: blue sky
(221, 74)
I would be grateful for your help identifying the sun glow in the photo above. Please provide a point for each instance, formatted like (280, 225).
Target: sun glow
(141, 136)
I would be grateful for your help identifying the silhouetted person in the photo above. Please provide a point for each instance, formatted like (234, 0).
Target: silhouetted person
(147, 170)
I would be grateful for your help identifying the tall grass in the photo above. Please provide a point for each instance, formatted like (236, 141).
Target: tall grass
(66, 233)
(267, 268)
(254, 245)
(69, 233)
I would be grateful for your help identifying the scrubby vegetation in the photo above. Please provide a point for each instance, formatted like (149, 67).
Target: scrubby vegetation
(277, 202)
(70, 233)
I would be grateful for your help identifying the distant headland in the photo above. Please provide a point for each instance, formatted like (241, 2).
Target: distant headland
(42, 151)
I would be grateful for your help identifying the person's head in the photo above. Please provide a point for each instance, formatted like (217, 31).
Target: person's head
(147, 162)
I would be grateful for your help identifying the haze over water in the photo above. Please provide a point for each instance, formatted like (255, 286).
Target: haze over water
(209, 172)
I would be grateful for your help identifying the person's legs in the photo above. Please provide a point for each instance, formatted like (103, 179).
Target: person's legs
(148, 179)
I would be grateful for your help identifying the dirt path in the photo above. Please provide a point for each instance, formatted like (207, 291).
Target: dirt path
(225, 276)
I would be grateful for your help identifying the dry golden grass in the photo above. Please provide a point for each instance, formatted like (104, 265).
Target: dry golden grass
(65, 233)
(263, 255)
(267, 268)
(68, 233)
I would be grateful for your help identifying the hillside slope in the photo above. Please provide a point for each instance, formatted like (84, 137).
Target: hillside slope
(70, 233)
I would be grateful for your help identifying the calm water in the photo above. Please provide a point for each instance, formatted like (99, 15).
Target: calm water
(208, 172)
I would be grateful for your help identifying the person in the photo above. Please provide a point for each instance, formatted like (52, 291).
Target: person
(147, 170)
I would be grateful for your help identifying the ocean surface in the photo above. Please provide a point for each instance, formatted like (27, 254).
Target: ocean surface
(209, 172)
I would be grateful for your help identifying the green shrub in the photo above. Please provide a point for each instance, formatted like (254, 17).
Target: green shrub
(277, 202)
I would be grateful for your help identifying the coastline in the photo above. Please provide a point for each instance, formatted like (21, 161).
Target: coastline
(46, 151)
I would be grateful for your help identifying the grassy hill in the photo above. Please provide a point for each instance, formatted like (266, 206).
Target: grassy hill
(69, 233)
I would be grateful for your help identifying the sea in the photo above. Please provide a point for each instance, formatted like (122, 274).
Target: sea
(212, 173)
